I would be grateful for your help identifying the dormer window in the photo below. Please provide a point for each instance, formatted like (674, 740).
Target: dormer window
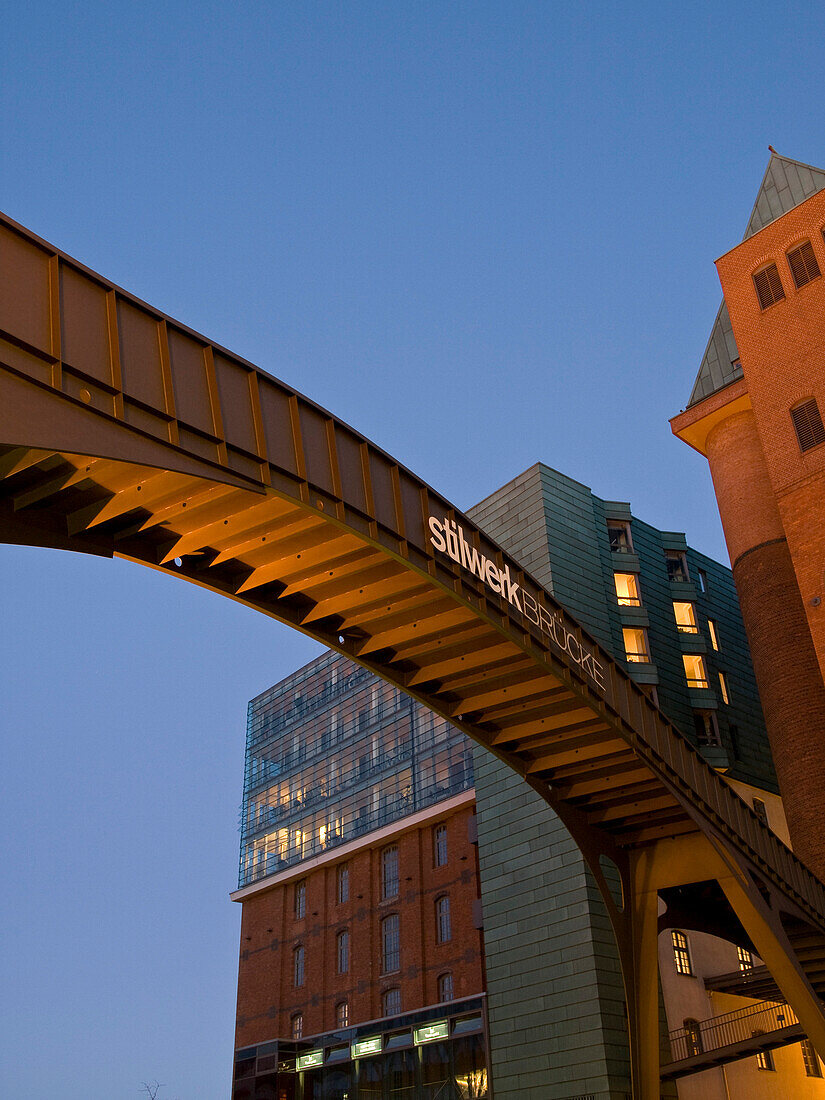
(618, 532)
(803, 264)
(768, 286)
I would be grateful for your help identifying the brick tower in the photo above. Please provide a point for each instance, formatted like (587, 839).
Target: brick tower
(755, 413)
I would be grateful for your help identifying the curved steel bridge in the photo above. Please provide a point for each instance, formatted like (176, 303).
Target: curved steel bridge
(124, 433)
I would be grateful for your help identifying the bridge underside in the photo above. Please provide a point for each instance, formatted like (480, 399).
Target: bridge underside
(123, 433)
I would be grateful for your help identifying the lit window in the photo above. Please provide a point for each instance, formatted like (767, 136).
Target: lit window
(693, 1037)
(440, 845)
(635, 645)
(685, 617)
(807, 422)
(618, 533)
(681, 953)
(445, 987)
(443, 929)
(764, 1060)
(714, 634)
(803, 265)
(342, 1014)
(707, 729)
(723, 687)
(391, 1002)
(695, 671)
(298, 967)
(343, 952)
(768, 286)
(390, 944)
(627, 589)
(297, 1025)
(300, 900)
(812, 1066)
(389, 872)
(343, 883)
(761, 811)
(745, 959)
(677, 569)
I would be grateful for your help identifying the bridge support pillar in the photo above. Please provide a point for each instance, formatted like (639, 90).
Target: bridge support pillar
(641, 966)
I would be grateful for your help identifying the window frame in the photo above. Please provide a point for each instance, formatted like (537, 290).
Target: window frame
(395, 992)
(296, 1025)
(813, 1066)
(636, 656)
(341, 1023)
(446, 977)
(795, 251)
(713, 631)
(342, 951)
(680, 556)
(440, 850)
(681, 953)
(299, 900)
(723, 688)
(690, 627)
(390, 881)
(696, 683)
(391, 944)
(342, 883)
(744, 957)
(299, 975)
(622, 525)
(631, 599)
(807, 423)
(443, 919)
(765, 271)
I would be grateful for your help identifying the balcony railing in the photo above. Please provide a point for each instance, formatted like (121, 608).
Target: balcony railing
(759, 1027)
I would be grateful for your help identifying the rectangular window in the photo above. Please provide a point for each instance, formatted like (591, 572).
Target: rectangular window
(809, 1057)
(807, 422)
(298, 967)
(695, 671)
(635, 645)
(761, 811)
(702, 580)
(723, 687)
(803, 265)
(300, 900)
(618, 533)
(707, 729)
(627, 589)
(443, 928)
(343, 952)
(445, 987)
(714, 634)
(390, 944)
(685, 617)
(681, 953)
(343, 883)
(745, 959)
(342, 1014)
(677, 570)
(297, 1026)
(768, 286)
(389, 872)
(440, 845)
(764, 1060)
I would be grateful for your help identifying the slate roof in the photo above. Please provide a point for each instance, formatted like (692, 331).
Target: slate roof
(786, 184)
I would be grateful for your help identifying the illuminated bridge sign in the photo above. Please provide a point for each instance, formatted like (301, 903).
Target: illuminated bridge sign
(122, 432)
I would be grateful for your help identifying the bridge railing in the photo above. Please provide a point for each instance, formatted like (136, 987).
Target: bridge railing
(702, 1036)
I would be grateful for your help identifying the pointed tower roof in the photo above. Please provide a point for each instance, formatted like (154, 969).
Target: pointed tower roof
(786, 184)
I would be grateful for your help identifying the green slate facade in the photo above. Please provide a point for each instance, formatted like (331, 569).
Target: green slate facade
(555, 1000)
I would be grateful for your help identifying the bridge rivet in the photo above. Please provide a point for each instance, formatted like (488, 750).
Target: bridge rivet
(85, 396)
(320, 504)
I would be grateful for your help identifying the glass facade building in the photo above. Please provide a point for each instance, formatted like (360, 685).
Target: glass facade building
(332, 753)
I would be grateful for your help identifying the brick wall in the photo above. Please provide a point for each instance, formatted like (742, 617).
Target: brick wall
(267, 997)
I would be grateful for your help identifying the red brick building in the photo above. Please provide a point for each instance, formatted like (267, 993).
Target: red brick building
(368, 931)
(756, 414)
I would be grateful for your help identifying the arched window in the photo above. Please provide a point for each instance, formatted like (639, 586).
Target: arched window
(443, 929)
(390, 944)
(445, 987)
(298, 967)
(391, 1002)
(389, 872)
(803, 264)
(681, 953)
(768, 286)
(693, 1037)
(440, 845)
(342, 1014)
(297, 1025)
(343, 952)
(807, 422)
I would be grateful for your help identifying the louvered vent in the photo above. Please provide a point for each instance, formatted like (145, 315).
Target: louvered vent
(768, 286)
(803, 264)
(808, 424)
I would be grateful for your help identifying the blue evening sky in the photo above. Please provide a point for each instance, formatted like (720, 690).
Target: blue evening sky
(482, 233)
